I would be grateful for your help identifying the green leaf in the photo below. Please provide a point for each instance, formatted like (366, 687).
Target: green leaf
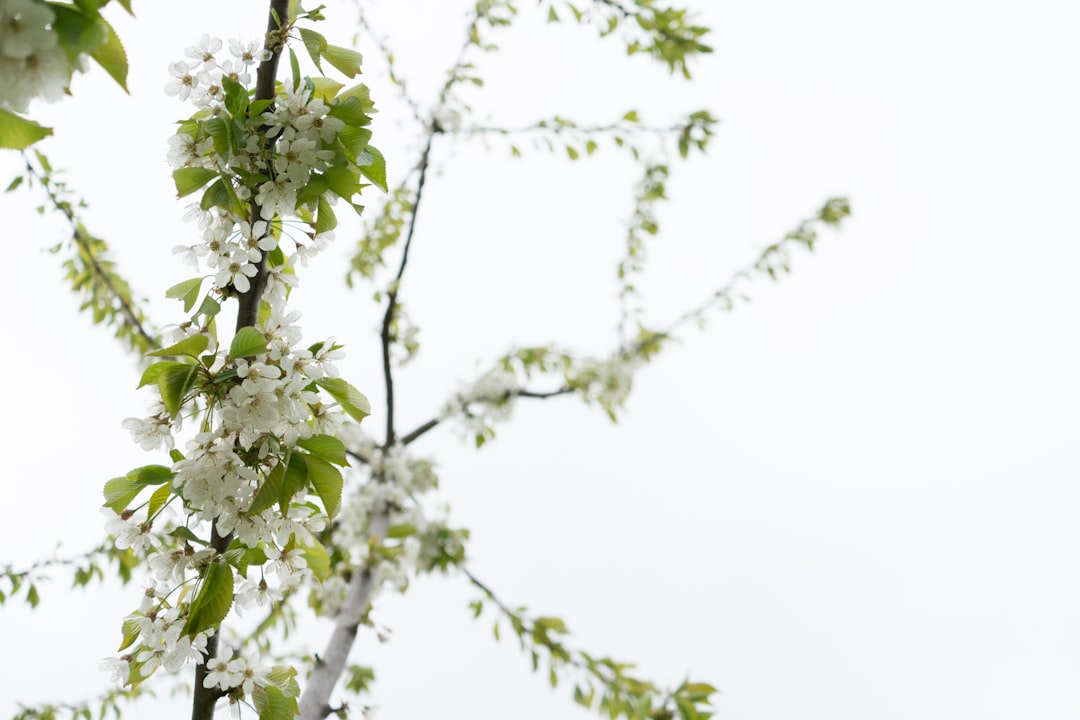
(346, 60)
(213, 600)
(174, 382)
(272, 704)
(296, 477)
(269, 492)
(188, 180)
(247, 343)
(158, 500)
(351, 400)
(151, 474)
(121, 491)
(187, 534)
(17, 132)
(327, 481)
(210, 307)
(217, 195)
(188, 290)
(111, 56)
(325, 88)
(192, 346)
(400, 531)
(341, 181)
(77, 33)
(294, 63)
(375, 171)
(130, 630)
(32, 596)
(326, 219)
(151, 374)
(325, 447)
(354, 139)
(218, 129)
(236, 97)
(315, 44)
(318, 560)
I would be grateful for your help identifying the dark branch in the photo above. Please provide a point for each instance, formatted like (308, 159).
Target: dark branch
(395, 286)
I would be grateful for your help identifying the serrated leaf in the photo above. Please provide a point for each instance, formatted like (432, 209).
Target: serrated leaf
(318, 560)
(314, 43)
(187, 534)
(345, 60)
(151, 474)
(218, 129)
(272, 704)
(247, 343)
(17, 132)
(158, 500)
(326, 219)
(173, 383)
(151, 374)
(375, 171)
(130, 630)
(209, 307)
(236, 97)
(188, 290)
(121, 491)
(296, 478)
(188, 180)
(191, 346)
(325, 447)
(77, 33)
(354, 140)
(213, 600)
(217, 195)
(341, 181)
(352, 401)
(327, 481)
(269, 492)
(111, 56)
(325, 88)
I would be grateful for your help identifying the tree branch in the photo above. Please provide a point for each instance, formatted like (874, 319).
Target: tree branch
(247, 315)
(315, 700)
(392, 303)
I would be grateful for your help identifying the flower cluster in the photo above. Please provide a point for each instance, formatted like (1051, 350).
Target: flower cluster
(32, 61)
(235, 518)
(483, 402)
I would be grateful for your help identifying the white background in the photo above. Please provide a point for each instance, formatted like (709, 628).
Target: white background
(854, 497)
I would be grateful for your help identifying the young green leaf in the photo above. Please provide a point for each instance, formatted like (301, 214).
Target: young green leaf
(346, 60)
(17, 132)
(174, 382)
(325, 447)
(121, 491)
(190, 346)
(188, 180)
(327, 481)
(318, 560)
(111, 56)
(375, 171)
(247, 343)
(213, 600)
(351, 400)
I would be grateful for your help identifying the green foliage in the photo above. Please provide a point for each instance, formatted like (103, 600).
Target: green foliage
(105, 294)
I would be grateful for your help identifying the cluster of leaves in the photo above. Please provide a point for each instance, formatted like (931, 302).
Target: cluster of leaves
(81, 31)
(668, 34)
(105, 294)
(600, 683)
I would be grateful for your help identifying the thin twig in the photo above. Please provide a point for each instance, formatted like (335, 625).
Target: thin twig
(395, 286)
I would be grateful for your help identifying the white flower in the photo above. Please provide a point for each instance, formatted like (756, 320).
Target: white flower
(24, 28)
(222, 672)
(119, 669)
(237, 273)
(151, 433)
(204, 51)
(248, 53)
(183, 81)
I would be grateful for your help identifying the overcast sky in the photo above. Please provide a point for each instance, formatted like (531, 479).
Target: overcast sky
(853, 498)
